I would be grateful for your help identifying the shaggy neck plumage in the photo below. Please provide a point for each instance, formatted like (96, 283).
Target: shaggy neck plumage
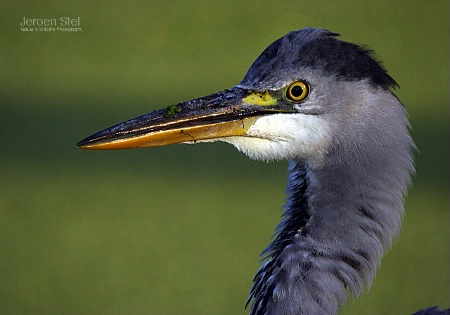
(327, 243)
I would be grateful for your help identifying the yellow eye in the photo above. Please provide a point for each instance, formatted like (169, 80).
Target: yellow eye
(297, 91)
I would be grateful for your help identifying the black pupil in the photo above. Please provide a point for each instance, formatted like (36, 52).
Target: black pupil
(297, 91)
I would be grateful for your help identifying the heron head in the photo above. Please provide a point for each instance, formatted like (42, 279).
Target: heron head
(306, 94)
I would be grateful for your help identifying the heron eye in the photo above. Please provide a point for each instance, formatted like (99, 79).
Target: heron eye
(297, 91)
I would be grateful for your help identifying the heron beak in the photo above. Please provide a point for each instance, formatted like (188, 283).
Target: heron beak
(224, 114)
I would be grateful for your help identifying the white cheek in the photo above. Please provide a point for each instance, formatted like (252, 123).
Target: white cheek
(284, 136)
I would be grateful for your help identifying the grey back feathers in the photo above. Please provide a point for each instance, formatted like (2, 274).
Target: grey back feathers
(343, 209)
(433, 311)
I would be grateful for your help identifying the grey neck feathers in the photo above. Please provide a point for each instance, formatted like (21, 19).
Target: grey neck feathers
(338, 221)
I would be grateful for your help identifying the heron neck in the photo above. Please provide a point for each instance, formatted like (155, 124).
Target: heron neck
(334, 230)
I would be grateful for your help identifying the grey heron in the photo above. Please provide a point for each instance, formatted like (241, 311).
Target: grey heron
(326, 106)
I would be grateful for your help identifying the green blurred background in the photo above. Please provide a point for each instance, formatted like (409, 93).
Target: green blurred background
(178, 229)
